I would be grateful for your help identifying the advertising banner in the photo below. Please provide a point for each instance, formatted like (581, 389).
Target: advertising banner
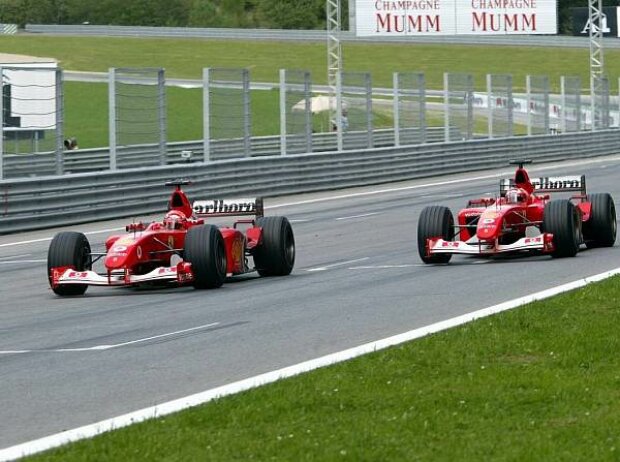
(454, 17)
(581, 22)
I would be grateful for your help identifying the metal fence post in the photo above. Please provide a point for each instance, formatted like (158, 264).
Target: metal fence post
(490, 106)
(283, 112)
(338, 111)
(369, 133)
(446, 107)
(161, 85)
(247, 114)
(422, 87)
(206, 116)
(307, 97)
(470, 107)
(112, 116)
(511, 109)
(578, 103)
(60, 111)
(396, 109)
(547, 104)
(528, 91)
(563, 104)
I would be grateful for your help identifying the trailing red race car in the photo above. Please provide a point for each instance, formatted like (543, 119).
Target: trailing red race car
(180, 250)
(522, 218)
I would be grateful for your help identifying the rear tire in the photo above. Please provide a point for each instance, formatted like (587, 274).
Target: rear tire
(69, 249)
(276, 254)
(205, 250)
(435, 221)
(561, 219)
(600, 229)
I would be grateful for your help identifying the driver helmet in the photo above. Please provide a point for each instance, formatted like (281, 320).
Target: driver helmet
(174, 220)
(516, 196)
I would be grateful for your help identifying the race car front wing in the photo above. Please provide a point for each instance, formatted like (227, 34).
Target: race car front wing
(542, 242)
(181, 273)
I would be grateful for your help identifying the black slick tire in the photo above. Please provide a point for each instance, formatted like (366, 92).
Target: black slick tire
(600, 230)
(205, 250)
(562, 220)
(435, 221)
(69, 249)
(275, 256)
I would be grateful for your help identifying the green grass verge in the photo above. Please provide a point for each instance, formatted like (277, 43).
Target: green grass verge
(185, 58)
(539, 383)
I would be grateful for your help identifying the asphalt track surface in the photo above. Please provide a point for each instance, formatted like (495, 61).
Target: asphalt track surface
(68, 362)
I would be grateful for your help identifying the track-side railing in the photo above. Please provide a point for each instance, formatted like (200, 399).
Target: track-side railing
(28, 204)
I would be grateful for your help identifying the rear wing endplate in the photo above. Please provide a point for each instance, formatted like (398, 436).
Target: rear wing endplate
(549, 184)
(229, 207)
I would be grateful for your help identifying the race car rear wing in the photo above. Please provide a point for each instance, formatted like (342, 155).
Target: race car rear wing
(549, 184)
(229, 207)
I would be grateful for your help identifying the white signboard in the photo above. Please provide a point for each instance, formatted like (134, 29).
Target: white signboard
(32, 102)
(454, 17)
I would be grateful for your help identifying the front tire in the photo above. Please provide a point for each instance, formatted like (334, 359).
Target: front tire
(205, 250)
(276, 254)
(600, 229)
(562, 220)
(69, 249)
(435, 221)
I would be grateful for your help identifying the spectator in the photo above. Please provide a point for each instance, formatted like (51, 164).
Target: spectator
(71, 144)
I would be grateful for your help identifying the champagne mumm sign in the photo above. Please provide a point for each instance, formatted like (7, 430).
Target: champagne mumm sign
(455, 17)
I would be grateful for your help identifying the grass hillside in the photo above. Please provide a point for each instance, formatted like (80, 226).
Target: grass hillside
(185, 58)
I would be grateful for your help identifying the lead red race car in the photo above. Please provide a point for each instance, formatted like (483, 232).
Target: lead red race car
(180, 250)
(522, 218)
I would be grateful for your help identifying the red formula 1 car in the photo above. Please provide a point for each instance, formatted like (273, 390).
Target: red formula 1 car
(523, 218)
(180, 250)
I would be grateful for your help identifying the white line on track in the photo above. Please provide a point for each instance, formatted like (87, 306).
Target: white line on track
(368, 193)
(88, 431)
(358, 216)
(385, 266)
(109, 347)
(45, 239)
(16, 262)
(16, 256)
(335, 265)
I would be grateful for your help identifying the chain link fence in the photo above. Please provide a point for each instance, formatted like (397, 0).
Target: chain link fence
(296, 109)
(500, 105)
(32, 120)
(458, 104)
(357, 116)
(33, 138)
(409, 108)
(537, 105)
(601, 107)
(227, 113)
(137, 105)
(572, 118)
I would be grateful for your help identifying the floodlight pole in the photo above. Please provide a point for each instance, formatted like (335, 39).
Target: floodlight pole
(597, 65)
(334, 65)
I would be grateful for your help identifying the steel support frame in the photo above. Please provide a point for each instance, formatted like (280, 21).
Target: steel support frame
(597, 62)
(334, 65)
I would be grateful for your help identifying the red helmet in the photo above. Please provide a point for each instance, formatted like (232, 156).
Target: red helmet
(516, 196)
(175, 219)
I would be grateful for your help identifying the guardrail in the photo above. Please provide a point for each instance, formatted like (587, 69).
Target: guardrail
(92, 160)
(314, 35)
(29, 204)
